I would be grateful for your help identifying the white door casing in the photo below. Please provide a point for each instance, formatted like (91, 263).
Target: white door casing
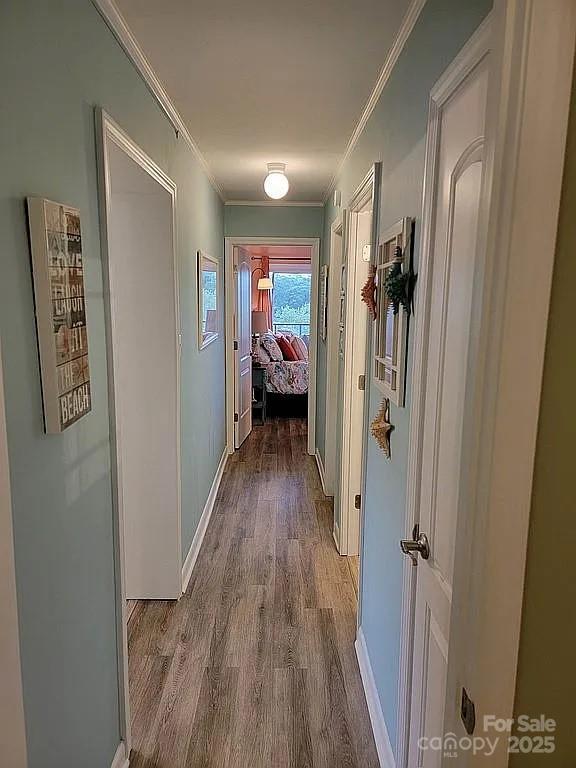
(360, 244)
(242, 346)
(457, 194)
(109, 134)
(12, 723)
(230, 244)
(332, 343)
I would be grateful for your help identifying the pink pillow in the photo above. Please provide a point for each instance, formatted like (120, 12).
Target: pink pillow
(299, 348)
(287, 352)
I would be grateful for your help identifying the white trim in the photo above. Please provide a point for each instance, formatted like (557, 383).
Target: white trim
(408, 24)
(12, 719)
(279, 203)
(468, 58)
(336, 535)
(120, 759)
(320, 466)
(194, 550)
(229, 298)
(368, 190)
(531, 106)
(337, 229)
(119, 27)
(107, 130)
(381, 737)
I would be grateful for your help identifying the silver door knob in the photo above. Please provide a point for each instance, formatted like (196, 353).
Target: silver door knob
(419, 544)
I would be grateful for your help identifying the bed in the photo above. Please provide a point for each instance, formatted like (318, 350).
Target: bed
(286, 381)
(287, 388)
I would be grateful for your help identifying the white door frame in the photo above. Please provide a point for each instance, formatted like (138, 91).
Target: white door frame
(246, 242)
(12, 723)
(108, 132)
(337, 230)
(528, 110)
(368, 190)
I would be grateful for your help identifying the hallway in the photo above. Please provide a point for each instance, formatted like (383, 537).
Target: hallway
(255, 665)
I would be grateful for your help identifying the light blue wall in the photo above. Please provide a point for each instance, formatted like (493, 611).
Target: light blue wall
(273, 221)
(396, 134)
(58, 61)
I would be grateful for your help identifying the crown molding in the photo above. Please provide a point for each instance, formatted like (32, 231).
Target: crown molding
(278, 203)
(121, 31)
(408, 24)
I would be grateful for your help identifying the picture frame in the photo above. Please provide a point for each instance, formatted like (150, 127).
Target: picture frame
(208, 300)
(323, 302)
(59, 298)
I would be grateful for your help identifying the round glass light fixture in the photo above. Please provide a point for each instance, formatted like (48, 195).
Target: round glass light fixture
(276, 184)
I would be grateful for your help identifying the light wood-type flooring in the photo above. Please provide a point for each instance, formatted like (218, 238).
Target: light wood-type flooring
(255, 666)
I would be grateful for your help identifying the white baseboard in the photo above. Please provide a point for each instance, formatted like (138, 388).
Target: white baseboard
(381, 737)
(192, 555)
(120, 759)
(320, 466)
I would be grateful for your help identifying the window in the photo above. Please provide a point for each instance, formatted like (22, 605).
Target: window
(291, 302)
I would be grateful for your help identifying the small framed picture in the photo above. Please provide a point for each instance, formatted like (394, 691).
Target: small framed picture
(208, 300)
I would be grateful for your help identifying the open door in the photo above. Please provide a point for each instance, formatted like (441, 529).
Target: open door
(456, 192)
(242, 347)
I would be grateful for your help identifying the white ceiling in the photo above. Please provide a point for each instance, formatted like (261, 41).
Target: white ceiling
(260, 81)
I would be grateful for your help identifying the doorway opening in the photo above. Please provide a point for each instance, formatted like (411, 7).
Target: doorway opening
(348, 362)
(140, 284)
(271, 329)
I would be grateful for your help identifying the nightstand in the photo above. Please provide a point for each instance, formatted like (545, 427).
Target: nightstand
(258, 393)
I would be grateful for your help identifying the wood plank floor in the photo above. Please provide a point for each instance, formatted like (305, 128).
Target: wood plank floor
(255, 666)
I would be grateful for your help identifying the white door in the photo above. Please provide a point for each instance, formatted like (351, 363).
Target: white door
(355, 273)
(452, 260)
(242, 347)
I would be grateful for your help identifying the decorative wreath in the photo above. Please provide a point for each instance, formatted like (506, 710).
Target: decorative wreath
(399, 285)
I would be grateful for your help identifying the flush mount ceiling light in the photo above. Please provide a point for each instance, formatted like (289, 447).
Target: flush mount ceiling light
(276, 184)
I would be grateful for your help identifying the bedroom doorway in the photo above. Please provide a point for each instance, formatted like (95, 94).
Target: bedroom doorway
(278, 313)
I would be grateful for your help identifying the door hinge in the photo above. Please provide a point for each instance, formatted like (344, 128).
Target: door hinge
(357, 501)
(362, 382)
(235, 346)
(235, 418)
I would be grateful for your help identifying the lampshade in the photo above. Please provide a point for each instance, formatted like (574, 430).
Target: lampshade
(259, 322)
(265, 284)
(276, 184)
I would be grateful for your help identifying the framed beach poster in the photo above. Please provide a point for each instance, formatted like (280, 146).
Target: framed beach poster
(58, 272)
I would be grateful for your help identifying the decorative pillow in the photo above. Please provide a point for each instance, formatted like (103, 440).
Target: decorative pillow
(261, 355)
(287, 352)
(299, 348)
(287, 335)
(270, 344)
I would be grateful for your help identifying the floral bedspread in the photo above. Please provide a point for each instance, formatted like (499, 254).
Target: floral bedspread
(287, 377)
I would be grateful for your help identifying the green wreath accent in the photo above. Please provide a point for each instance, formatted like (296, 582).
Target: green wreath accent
(398, 286)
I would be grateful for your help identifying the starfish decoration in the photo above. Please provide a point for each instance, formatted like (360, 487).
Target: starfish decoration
(369, 292)
(381, 427)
